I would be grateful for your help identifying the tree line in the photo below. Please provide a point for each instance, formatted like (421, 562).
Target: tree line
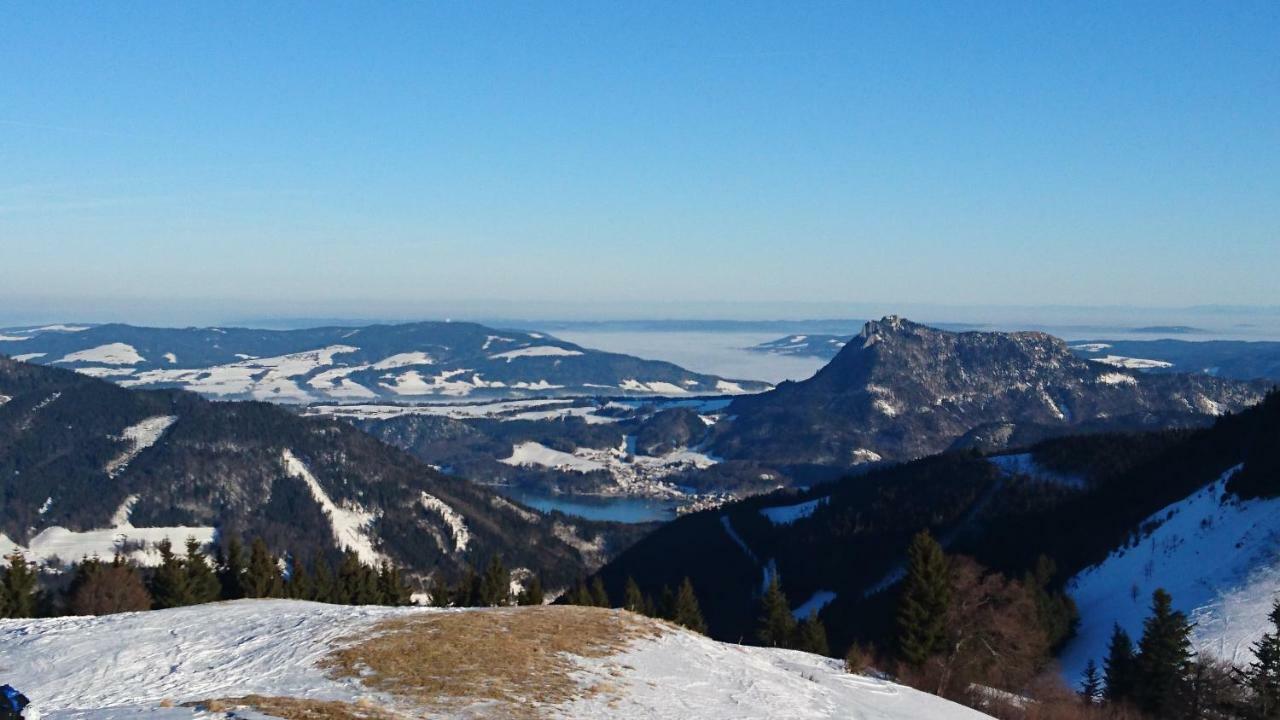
(100, 587)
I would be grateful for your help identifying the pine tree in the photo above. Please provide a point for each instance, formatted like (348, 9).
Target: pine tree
(633, 598)
(1263, 675)
(811, 635)
(666, 604)
(322, 580)
(1091, 683)
(532, 593)
(1164, 656)
(1120, 667)
(580, 595)
(926, 596)
(201, 579)
(776, 626)
(19, 588)
(688, 613)
(439, 592)
(297, 585)
(231, 569)
(4, 594)
(495, 584)
(467, 592)
(599, 596)
(393, 590)
(262, 578)
(170, 587)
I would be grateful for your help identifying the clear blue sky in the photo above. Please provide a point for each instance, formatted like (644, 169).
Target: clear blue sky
(629, 158)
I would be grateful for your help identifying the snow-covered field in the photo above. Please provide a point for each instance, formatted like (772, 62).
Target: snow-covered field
(148, 664)
(1218, 556)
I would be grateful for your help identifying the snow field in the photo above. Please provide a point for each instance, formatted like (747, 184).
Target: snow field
(141, 664)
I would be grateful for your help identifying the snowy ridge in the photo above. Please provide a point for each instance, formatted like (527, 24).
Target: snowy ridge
(76, 668)
(349, 525)
(457, 525)
(1217, 555)
(140, 437)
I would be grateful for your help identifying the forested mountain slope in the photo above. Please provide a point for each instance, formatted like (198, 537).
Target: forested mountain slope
(87, 466)
(1075, 500)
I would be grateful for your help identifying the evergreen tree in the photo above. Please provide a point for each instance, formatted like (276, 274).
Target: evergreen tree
(532, 593)
(1056, 611)
(170, 587)
(599, 596)
(1091, 683)
(776, 626)
(811, 635)
(357, 583)
(1164, 656)
(688, 613)
(393, 590)
(262, 577)
(439, 591)
(322, 580)
(467, 593)
(580, 595)
(299, 586)
(231, 569)
(633, 598)
(19, 588)
(495, 584)
(1263, 675)
(201, 579)
(926, 595)
(1120, 667)
(667, 604)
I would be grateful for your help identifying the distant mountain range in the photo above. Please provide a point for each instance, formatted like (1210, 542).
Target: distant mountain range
(900, 390)
(87, 467)
(404, 363)
(1237, 359)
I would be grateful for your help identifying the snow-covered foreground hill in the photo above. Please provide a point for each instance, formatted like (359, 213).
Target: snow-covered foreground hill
(151, 664)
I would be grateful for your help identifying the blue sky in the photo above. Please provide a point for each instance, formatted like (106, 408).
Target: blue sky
(170, 161)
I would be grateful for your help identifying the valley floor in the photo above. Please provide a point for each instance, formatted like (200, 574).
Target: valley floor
(289, 659)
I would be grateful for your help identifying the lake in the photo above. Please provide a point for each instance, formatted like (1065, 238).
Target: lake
(595, 507)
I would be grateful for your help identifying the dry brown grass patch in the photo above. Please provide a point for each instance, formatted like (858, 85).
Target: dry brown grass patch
(288, 708)
(513, 660)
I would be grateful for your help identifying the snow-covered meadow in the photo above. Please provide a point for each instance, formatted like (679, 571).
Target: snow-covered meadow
(150, 664)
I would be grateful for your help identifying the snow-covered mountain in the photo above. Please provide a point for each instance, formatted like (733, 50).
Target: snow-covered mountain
(1238, 359)
(88, 467)
(229, 659)
(390, 362)
(899, 390)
